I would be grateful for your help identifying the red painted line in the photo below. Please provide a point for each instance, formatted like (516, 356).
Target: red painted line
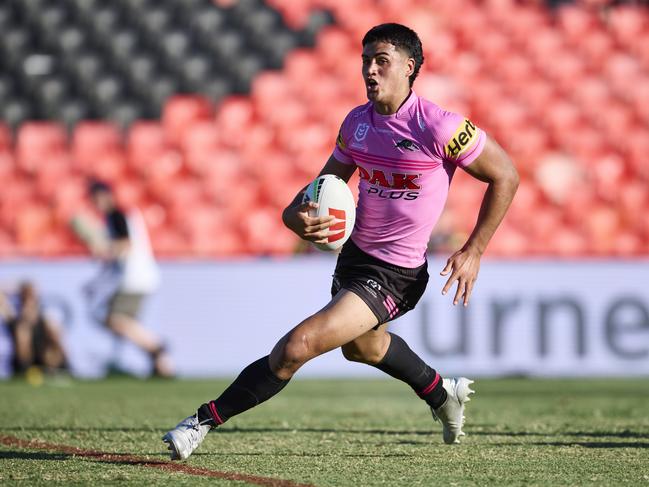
(128, 459)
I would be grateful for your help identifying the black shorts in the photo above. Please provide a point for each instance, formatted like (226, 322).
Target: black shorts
(389, 290)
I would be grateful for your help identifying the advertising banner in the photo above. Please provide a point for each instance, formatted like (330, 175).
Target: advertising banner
(538, 318)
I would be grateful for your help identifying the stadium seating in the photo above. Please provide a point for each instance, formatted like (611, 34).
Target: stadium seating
(209, 116)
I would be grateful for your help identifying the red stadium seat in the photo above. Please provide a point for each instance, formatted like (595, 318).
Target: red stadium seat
(596, 48)
(564, 120)
(17, 192)
(576, 22)
(167, 241)
(33, 224)
(91, 140)
(110, 167)
(154, 214)
(7, 165)
(602, 226)
(199, 136)
(565, 70)
(8, 247)
(628, 244)
(301, 63)
(36, 140)
(508, 242)
(295, 14)
(71, 197)
(260, 225)
(269, 90)
(162, 173)
(627, 23)
(219, 171)
(53, 170)
(5, 137)
(129, 194)
(545, 222)
(237, 201)
(569, 242)
(233, 116)
(180, 111)
(145, 140)
(331, 42)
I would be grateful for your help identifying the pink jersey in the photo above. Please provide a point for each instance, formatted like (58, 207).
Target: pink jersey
(405, 161)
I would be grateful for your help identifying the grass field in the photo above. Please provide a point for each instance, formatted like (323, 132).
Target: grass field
(329, 433)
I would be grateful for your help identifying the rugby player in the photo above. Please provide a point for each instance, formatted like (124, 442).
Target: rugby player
(406, 150)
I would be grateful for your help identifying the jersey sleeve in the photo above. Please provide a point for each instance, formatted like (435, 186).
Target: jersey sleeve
(457, 139)
(341, 153)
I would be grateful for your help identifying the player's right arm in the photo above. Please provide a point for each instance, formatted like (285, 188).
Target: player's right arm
(296, 215)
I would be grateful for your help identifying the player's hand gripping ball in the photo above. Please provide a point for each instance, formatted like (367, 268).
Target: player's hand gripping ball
(334, 198)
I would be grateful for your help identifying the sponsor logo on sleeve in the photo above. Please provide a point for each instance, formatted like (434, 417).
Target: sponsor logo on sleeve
(465, 136)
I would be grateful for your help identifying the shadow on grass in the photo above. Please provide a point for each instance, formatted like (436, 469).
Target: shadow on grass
(607, 434)
(584, 444)
(98, 456)
(80, 429)
(484, 430)
(26, 455)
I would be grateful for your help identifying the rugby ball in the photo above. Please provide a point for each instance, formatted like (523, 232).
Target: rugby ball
(334, 198)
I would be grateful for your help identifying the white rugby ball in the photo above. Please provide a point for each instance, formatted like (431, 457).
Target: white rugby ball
(334, 198)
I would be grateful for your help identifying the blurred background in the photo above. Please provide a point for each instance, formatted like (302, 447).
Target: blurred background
(208, 116)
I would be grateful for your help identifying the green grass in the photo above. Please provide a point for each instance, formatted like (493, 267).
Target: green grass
(337, 433)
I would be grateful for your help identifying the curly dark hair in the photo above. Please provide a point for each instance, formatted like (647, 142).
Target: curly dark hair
(401, 37)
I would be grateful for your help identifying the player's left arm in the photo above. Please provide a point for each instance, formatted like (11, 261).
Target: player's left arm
(494, 167)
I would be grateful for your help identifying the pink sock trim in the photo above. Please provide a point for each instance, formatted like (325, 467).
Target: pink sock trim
(431, 386)
(215, 413)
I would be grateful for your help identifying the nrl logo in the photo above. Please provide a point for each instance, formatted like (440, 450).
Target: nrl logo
(361, 131)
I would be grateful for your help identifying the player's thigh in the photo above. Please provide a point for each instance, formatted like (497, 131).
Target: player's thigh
(343, 319)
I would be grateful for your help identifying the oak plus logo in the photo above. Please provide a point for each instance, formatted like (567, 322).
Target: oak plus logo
(391, 185)
(361, 132)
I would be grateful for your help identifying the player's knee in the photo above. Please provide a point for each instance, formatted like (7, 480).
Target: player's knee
(296, 351)
(363, 354)
(351, 353)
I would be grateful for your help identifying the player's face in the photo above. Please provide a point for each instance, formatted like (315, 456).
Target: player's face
(386, 72)
(103, 201)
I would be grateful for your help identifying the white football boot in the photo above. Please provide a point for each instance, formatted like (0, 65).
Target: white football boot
(451, 413)
(185, 437)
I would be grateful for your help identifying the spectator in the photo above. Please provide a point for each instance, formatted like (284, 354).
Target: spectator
(130, 265)
(35, 336)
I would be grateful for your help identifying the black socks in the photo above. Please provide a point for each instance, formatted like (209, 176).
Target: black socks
(255, 384)
(402, 363)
